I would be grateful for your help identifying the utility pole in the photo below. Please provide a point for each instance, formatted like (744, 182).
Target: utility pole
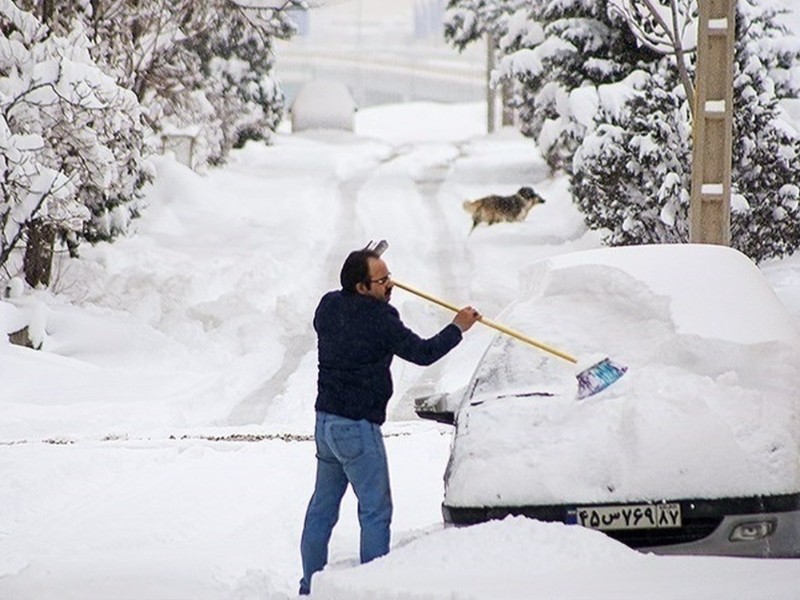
(712, 130)
(491, 93)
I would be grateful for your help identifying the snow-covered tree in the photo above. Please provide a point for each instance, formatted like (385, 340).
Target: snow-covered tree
(468, 21)
(236, 62)
(765, 221)
(632, 172)
(71, 143)
(666, 27)
(204, 66)
(84, 82)
(556, 47)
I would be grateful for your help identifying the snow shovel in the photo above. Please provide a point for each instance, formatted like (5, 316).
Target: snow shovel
(591, 380)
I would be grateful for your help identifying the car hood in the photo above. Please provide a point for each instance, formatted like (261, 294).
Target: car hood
(708, 407)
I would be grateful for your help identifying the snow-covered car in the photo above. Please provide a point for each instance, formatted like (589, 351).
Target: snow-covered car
(323, 104)
(695, 450)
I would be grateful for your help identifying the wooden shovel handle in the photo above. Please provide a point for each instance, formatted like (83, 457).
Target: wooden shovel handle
(502, 328)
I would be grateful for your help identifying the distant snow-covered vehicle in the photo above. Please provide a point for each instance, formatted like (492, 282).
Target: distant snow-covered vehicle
(323, 104)
(695, 451)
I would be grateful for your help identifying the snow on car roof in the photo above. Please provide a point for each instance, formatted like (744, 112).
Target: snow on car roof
(714, 291)
(708, 408)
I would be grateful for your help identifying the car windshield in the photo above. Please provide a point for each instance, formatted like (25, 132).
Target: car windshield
(625, 301)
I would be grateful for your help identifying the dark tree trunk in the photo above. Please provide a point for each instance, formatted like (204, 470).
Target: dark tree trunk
(38, 260)
(48, 6)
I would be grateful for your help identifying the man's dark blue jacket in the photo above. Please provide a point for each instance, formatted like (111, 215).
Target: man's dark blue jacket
(357, 337)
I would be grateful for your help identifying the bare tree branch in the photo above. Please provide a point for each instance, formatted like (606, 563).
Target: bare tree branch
(666, 38)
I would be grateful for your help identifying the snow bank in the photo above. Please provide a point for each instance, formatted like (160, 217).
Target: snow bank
(519, 559)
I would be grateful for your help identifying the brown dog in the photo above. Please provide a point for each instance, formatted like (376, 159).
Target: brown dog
(495, 209)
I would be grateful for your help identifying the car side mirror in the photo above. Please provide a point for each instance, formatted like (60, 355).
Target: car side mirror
(438, 407)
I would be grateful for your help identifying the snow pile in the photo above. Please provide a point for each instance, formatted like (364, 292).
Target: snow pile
(515, 559)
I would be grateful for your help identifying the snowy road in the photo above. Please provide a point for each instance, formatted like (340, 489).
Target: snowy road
(413, 188)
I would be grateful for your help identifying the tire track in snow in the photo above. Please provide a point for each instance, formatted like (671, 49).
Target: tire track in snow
(356, 196)
(269, 398)
(451, 258)
(450, 248)
(428, 250)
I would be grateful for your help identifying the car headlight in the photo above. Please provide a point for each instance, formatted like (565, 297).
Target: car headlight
(752, 530)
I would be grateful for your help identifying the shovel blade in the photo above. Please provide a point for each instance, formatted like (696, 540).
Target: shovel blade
(598, 377)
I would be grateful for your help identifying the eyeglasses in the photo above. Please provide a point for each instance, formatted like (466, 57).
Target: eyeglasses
(383, 280)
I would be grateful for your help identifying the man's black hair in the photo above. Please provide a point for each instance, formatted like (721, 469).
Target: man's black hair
(356, 269)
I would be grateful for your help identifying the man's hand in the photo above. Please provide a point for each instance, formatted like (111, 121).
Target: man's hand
(466, 318)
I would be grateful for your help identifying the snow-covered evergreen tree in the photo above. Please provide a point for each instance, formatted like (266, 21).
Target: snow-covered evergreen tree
(631, 175)
(468, 21)
(555, 48)
(765, 221)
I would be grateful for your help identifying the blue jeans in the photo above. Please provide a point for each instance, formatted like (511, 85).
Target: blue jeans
(347, 452)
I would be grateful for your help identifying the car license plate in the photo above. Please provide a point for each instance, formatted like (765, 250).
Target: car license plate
(629, 516)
